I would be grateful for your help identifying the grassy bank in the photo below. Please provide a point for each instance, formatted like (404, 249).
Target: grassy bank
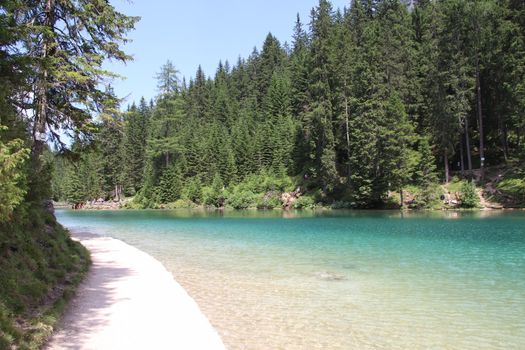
(40, 269)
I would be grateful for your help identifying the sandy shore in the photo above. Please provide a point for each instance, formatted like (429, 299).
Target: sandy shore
(130, 301)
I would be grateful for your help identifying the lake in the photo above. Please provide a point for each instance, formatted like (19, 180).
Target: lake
(339, 279)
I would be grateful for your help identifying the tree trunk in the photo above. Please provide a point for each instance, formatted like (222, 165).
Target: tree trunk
(167, 158)
(445, 158)
(461, 157)
(349, 170)
(39, 127)
(480, 118)
(467, 145)
(503, 138)
(401, 197)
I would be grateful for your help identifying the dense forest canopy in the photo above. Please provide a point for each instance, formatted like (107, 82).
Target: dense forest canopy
(365, 101)
(51, 55)
(51, 85)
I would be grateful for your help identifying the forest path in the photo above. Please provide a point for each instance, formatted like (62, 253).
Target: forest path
(130, 301)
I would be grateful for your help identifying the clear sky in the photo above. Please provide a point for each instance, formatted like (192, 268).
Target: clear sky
(203, 32)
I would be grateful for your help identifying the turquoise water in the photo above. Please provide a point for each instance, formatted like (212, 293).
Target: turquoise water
(340, 280)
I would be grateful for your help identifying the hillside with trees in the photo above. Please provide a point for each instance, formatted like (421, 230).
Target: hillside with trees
(365, 103)
(51, 55)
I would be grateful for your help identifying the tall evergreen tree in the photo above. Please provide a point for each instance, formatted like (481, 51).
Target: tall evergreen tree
(318, 122)
(137, 124)
(168, 79)
(111, 143)
(66, 42)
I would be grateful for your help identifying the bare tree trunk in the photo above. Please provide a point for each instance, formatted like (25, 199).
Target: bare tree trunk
(467, 145)
(39, 128)
(445, 158)
(167, 158)
(461, 158)
(118, 192)
(347, 135)
(401, 197)
(480, 118)
(503, 138)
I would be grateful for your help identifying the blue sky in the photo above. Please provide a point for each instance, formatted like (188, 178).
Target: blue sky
(195, 32)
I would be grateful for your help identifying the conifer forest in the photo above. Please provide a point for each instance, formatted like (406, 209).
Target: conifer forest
(363, 102)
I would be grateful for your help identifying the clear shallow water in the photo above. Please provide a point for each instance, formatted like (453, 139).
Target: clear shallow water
(340, 280)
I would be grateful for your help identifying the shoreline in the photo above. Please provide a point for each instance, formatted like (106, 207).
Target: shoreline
(129, 300)
(317, 208)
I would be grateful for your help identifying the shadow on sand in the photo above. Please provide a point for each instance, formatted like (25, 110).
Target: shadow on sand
(91, 307)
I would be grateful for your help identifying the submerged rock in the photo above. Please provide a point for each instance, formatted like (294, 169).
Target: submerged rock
(329, 276)
(349, 266)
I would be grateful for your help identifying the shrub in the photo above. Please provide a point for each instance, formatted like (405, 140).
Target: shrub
(269, 201)
(469, 196)
(214, 195)
(341, 205)
(425, 197)
(304, 202)
(241, 200)
(134, 203)
(193, 191)
(180, 204)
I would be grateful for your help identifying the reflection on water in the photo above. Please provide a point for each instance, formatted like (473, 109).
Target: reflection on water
(298, 214)
(340, 279)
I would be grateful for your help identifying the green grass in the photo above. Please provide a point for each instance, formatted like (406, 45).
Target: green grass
(40, 269)
(455, 185)
(513, 190)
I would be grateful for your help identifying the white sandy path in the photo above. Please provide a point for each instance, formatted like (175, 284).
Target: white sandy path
(130, 301)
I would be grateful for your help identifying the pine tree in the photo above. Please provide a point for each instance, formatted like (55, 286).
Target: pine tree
(514, 66)
(199, 99)
(368, 94)
(425, 171)
(111, 141)
(453, 83)
(318, 122)
(66, 43)
(169, 188)
(165, 121)
(271, 58)
(427, 22)
(396, 157)
(243, 146)
(168, 79)
(425, 175)
(299, 69)
(135, 131)
(13, 156)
